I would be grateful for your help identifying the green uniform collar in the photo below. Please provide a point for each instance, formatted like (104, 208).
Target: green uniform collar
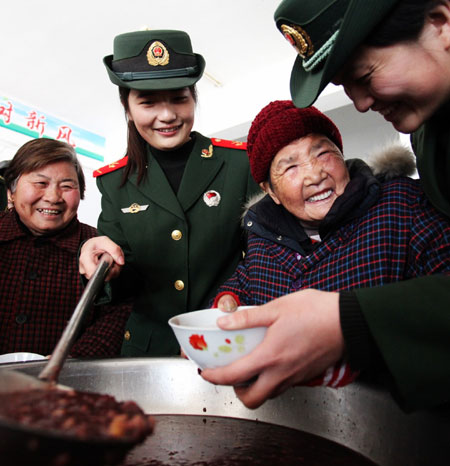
(203, 161)
(431, 143)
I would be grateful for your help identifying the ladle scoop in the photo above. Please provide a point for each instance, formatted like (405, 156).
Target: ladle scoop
(70, 439)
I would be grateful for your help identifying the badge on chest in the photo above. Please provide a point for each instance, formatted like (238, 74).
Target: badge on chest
(134, 208)
(211, 198)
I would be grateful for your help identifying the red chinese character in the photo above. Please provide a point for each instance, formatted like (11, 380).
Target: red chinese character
(5, 112)
(35, 122)
(64, 132)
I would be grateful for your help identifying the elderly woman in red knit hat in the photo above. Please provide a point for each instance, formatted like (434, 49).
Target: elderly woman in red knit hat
(325, 224)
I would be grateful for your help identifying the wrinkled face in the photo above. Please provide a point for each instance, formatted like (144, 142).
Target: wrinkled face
(47, 199)
(307, 176)
(163, 118)
(405, 82)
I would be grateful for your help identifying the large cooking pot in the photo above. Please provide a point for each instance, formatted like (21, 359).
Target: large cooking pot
(361, 417)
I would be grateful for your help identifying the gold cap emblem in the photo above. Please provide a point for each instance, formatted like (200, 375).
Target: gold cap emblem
(299, 39)
(157, 54)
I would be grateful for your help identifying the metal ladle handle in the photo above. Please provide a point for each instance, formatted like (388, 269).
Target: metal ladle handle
(52, 369)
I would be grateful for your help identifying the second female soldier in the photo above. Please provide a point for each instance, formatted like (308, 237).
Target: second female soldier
(171, 207)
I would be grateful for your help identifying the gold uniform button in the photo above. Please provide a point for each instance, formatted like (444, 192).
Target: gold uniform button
(127, 335)
(179, 285)
(176, 235)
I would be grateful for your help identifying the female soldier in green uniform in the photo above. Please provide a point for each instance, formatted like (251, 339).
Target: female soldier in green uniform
(173, 204)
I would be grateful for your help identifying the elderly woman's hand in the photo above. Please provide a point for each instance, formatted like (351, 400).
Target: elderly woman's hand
(303, 339)
(227, 303)
(91, 252)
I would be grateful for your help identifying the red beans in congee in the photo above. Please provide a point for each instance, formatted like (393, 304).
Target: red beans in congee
(182, 440)
(81, 414)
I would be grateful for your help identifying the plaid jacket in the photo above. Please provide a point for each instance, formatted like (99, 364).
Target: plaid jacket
(400, 237)
(40, 287)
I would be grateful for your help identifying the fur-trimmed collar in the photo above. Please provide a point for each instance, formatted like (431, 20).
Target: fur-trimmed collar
(392, 161)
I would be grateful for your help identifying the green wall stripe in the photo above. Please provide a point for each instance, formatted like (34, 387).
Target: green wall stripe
(35, 135)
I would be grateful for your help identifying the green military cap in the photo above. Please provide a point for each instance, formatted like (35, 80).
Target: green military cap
(154, 60)
(325, 33)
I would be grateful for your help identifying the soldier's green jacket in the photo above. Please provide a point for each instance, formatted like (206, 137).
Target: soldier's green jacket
(179, 248)
(410, 321)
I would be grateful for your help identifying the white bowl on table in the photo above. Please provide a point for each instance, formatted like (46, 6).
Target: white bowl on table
(20, 357)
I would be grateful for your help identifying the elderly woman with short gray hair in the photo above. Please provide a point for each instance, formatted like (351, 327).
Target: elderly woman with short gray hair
(39, 240)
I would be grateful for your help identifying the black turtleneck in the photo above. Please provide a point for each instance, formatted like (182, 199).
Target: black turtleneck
(173, 162)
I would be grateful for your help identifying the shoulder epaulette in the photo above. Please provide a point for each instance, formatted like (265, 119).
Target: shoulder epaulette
(229, 144)
(111, 167)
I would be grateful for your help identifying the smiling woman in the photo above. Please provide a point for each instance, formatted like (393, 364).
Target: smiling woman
(383, 80)
(327, 225)
(47, 198)
(45, 184)
(165, 118)
(171, 207)
(392, 56)
(306, 177)
(39, 240)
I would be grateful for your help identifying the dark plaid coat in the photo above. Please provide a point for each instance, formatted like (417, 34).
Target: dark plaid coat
(400, 237)
(40, 287)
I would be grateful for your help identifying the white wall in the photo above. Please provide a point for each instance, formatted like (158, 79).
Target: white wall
(362, 134)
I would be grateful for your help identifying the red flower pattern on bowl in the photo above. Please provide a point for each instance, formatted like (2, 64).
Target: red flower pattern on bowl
(198, 342)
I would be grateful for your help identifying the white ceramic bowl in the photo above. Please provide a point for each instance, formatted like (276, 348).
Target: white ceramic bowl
(20, 357)
(208, 345)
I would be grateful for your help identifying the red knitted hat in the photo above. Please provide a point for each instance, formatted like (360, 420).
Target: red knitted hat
(276, 126)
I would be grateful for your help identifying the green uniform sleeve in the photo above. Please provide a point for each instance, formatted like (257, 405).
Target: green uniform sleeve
(410, 324)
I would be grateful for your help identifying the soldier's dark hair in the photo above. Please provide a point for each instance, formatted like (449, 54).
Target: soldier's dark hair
(136, 152)
(404, 23)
